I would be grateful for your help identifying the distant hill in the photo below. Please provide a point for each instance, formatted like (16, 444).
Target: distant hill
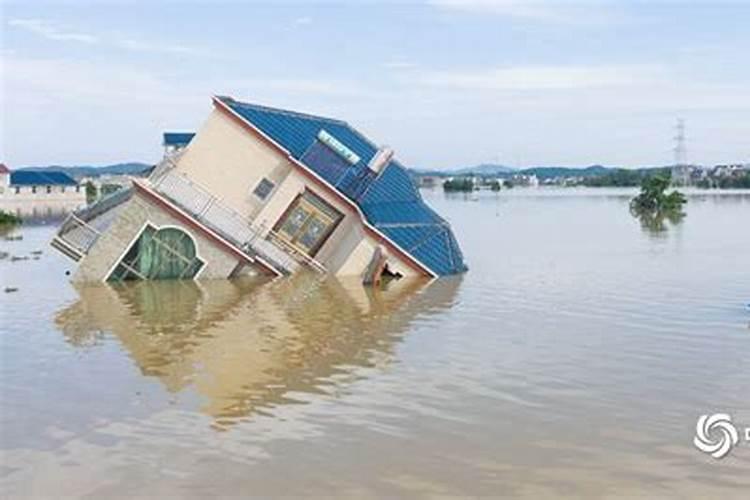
(78, 171)
(493, 170)
(486, 169)
(549, 172)
(483, 170)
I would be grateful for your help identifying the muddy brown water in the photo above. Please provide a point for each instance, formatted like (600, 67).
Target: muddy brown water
(573, 359)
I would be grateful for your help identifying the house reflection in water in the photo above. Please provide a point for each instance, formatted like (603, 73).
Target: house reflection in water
(244, 346)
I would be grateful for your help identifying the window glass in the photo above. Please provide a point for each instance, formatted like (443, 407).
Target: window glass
(308, 223)
(263, 189)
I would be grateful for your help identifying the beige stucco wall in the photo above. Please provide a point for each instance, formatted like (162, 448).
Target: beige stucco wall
(229, 162)
(27, 203)
(132, 217)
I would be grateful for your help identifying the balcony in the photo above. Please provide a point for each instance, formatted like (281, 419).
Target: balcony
(256, 241)
(82, 228)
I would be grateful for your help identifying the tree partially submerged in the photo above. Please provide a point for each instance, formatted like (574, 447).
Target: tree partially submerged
(653, 205)
(459, 184)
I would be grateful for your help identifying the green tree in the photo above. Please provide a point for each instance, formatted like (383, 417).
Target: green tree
(459, 184)
(91, 192)
(108, 189)
(653, 205)
(9, 219)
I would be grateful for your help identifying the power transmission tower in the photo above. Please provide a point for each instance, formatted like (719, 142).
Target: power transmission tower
(680, 169)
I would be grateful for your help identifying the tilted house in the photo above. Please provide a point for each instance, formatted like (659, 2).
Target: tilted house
(265, 190)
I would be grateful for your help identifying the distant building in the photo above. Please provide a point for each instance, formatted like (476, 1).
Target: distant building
(39, 194)
(728, 170)
(429, 181)
(525, 180)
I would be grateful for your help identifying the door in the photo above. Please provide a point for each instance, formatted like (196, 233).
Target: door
(307, 223)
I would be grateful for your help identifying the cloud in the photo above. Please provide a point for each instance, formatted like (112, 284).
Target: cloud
(144, 46)
(52, 31)
(550, 11)
(522, 78)
(302, 21)
(398, 65)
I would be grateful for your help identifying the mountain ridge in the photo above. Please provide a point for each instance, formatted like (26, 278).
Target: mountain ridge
(126, 168)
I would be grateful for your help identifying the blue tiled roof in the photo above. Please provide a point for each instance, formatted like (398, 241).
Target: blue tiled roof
(33, 178)
(177, 138)
(391, 201)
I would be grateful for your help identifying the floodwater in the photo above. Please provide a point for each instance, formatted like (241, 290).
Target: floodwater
(573, 359)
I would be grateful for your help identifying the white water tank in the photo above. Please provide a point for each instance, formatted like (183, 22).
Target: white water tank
(380, 160)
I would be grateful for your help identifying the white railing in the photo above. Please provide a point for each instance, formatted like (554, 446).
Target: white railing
(233, 227)
(299, 255)
(77, 234)
(168, 162)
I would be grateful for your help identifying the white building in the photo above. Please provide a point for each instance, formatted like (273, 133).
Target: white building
(39, 194)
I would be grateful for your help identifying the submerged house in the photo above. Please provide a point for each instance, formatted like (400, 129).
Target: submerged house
(259, 190)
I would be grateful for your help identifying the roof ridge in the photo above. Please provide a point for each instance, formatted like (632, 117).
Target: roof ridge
(261, 107)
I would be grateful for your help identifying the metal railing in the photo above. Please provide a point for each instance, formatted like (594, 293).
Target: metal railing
(80, 230)
(104, 204)
(76, 234)
(238, 230)
(298, 254)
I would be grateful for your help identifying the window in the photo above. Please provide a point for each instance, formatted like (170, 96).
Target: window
(18, 189)
(62, 189)
(263, 189)
(78, 189)
(158, 254)
(307, 223)
(49, 189)
(33, 189)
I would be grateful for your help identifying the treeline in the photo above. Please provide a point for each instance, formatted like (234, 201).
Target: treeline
(621, 177)
(467, 184)
(729, 182)
(459, 184)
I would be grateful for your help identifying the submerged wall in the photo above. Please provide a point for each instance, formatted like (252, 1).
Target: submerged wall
(131, 218)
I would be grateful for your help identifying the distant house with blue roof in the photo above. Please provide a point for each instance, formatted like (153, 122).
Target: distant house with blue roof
(266, 190)
(39, 193)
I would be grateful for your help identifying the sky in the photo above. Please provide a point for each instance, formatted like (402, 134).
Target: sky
(446, 83)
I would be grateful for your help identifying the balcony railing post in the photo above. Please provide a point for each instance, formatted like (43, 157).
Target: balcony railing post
(229, 224)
